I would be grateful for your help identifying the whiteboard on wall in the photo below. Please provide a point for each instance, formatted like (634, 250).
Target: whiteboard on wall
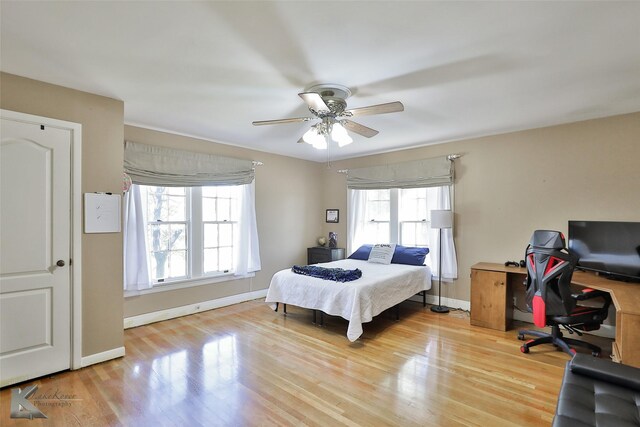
(102, 213)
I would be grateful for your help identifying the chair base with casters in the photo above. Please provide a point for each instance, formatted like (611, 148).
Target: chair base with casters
(557, 339)
(582, 318)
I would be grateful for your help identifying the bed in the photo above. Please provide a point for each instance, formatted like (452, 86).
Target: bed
(381, 286)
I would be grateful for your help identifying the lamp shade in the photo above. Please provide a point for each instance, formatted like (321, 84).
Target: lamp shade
(441, 219)
(315, 137)
(340, 135)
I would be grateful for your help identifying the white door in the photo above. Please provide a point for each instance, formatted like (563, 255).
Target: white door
(35, 248)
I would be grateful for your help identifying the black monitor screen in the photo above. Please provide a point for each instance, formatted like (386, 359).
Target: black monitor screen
(607, 247)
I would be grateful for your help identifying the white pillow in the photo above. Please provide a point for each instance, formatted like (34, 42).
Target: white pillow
(382, 253)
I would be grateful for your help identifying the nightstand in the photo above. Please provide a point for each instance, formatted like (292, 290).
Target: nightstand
(322, 254)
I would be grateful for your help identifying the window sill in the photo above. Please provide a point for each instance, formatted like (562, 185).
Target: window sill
(187, 283)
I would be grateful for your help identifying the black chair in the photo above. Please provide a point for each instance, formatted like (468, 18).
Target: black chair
(598, 393)
(549, 296)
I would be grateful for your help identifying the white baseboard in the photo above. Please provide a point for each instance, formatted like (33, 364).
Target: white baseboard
(448, 302)
(101, 357)
(606, 331)
(172, 313)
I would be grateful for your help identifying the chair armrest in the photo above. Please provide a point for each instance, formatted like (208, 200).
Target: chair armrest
(588, 293)
(605, 370)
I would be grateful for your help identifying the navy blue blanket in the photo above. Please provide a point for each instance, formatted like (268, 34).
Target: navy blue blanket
(335, 274)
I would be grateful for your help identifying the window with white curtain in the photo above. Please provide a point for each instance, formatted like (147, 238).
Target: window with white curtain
(177, 235)
(189, 218)
(402, 216)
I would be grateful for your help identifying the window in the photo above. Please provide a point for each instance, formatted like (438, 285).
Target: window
(414, 207)
(166, 213)
(377, 216)
(190, 231)
(401, 216)
(189, 218)
(396, 216)
(220, 225)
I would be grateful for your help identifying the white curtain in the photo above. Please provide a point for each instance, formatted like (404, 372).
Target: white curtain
(449, 261)
(355, 220)
(136, 263)
(246, 246)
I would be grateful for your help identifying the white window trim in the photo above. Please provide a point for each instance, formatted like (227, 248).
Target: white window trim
(194, 226)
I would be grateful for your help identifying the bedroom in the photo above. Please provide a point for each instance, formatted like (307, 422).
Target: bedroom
(502, 189)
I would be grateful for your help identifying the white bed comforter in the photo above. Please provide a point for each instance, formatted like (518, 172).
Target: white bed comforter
(380, 287)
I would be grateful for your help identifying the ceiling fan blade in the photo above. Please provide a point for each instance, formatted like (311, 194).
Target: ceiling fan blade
(314, 101)
(280, 121)
(390, 107)
(358, 128)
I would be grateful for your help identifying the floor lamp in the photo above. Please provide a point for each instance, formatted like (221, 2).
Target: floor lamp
(440, 219)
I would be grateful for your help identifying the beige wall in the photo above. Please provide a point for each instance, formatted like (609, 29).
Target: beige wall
(509, 185)
(288, 208)
(102, 153)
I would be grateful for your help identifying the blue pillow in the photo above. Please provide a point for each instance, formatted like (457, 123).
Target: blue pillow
(402, 255)
(409, 255)
(362, 253)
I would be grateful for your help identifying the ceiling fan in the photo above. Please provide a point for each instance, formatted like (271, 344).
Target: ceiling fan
(327, 102)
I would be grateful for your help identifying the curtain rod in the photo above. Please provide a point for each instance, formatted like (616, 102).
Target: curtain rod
(450, 157)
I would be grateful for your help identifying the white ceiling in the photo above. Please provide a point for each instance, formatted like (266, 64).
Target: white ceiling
(462, 69)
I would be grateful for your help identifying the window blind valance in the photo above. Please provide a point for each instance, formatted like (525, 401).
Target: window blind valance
(152, 165)
(433, 172)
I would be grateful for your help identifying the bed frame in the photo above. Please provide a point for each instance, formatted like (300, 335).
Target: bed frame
(423, 294)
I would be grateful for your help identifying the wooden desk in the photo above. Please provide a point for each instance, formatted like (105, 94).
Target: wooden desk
(492, 304)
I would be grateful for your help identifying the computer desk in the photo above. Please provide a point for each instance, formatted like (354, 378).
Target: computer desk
(492, 304)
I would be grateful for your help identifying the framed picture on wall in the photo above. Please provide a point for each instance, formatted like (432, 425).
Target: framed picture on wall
(333, 215)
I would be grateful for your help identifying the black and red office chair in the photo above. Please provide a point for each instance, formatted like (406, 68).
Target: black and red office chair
(549, 296)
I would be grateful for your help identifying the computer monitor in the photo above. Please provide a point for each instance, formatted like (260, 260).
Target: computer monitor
(607, 247)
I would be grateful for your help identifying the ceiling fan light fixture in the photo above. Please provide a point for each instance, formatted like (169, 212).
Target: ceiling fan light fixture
(327, 102)
(340, 135)
(315, 138)
(321, 144)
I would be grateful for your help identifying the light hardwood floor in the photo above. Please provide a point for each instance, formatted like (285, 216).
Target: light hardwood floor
(245, 365)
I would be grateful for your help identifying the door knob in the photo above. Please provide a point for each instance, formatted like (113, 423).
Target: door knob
(60, 263)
